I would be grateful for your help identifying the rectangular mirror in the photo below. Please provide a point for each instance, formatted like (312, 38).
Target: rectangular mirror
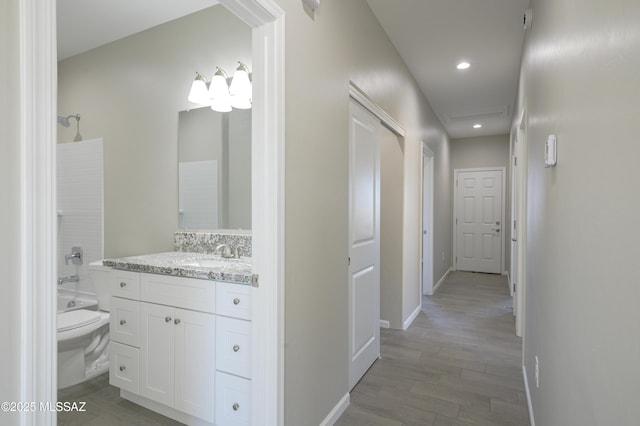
(214, 169)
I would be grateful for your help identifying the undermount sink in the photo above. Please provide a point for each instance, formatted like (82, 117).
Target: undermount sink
(215, 262)
(206, 263)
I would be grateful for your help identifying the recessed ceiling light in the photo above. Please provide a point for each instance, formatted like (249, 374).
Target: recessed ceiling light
(463, 65)
(477, 126)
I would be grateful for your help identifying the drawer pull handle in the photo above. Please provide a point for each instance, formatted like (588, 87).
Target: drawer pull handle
(176, 321)
(236, 348)
(236, 406)
(123, 322)
(236, 301)
(122, 284)
(122, 368)
(167, 319)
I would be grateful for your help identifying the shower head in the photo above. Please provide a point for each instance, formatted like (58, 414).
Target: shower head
(64, 122)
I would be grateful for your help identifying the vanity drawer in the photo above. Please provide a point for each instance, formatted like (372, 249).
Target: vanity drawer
(125, 284)
(124, 362)
(124, 322)
(233, 346)
(233, 300)
(233, 400)
(188, 293)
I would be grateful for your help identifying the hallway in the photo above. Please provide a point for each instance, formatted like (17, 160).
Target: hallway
(459, 364)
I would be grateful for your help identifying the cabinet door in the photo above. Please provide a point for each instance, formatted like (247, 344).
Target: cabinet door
(157, 332)
(195, 363)
(125, 321)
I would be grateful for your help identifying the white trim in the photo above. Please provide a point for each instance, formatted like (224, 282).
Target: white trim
(385, 324)
(455, 207)
(268, 158)
(407, 323)
(528, 393)
(444, 277)
(426, 151)
(337, 411)
(38, 71)
(38, 240)
(358, 95)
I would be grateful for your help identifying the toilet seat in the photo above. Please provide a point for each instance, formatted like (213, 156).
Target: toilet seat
(72, 324)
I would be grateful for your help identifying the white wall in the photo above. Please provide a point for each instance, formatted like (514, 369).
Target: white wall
(487, 151)
(80, 208)
(580, 79)
(130, 92)
(10, 208)
(342, 41)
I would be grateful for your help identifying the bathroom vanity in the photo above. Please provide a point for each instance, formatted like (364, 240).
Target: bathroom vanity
(181, 335)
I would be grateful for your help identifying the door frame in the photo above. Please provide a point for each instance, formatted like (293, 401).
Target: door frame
(521, 243)
(37, 129)
(455, 210)
(427, 194)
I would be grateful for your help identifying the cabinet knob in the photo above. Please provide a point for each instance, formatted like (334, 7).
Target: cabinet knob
(123, 322)
(167, 319)
(176, 321)
(122, 368)
(236, 348)
(236, 301)
(235, 406)
(122, 284)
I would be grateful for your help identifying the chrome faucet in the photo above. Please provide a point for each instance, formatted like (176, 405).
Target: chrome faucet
(69, 279)
(226, 251)
(75, 257)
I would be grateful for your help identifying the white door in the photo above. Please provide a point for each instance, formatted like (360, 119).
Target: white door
(479, 221)
(195, 334)
(364, 241)
(156, 352)
(427, 223)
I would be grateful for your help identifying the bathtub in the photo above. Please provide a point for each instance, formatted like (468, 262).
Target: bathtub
(70, 300)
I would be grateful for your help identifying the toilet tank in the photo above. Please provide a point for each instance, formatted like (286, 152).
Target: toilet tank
(101, 276)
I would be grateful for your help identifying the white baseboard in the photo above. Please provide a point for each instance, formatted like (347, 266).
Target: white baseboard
(444, 277)
(337, 411)
(385, 324)
(528, 392)
(412, 317)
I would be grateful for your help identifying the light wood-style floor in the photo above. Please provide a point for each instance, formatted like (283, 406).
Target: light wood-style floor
(459, 364)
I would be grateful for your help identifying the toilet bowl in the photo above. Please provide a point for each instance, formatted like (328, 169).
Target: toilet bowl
(83, 335)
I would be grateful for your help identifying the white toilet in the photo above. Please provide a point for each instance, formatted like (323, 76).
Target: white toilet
(83, 335)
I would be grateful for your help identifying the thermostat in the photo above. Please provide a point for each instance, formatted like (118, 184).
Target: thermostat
(550, 151)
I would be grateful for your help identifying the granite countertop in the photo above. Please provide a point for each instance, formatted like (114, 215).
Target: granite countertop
(184, 264)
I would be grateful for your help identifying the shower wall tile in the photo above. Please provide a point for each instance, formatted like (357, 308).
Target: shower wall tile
(80, 207)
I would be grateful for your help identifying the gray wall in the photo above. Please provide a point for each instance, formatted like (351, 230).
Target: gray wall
(11, 214)
(391, 220)
(580, 81)
(342, 42)
(129, 92)
(486, 151)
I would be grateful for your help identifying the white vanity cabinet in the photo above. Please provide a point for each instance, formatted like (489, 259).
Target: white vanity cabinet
(173, 352)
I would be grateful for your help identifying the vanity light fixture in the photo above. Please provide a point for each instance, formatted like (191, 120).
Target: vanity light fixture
(463, 66)
(199, 92)
(240, 89)
(223, 93)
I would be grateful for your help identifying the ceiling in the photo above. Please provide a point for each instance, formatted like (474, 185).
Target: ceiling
(432, 36)
(87, 24)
